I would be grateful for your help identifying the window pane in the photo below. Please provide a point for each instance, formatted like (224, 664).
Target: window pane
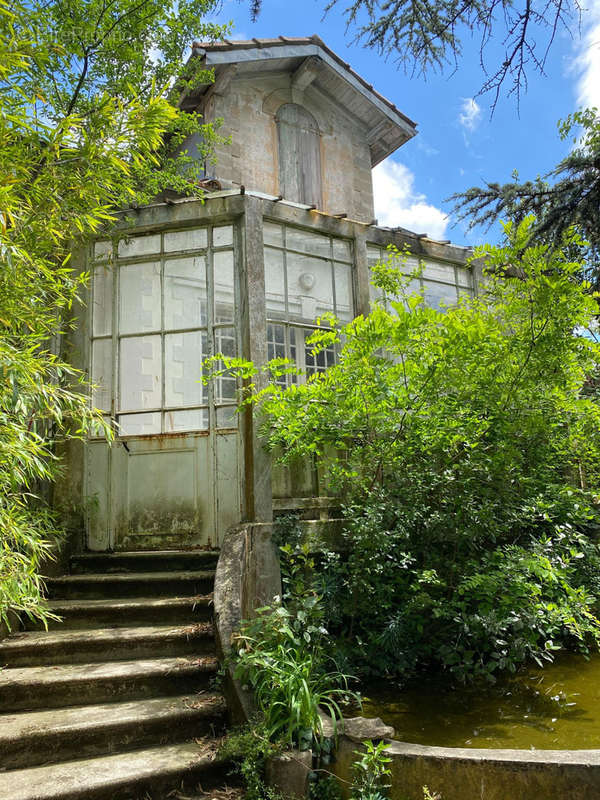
(307, 242)
(224, 286)
(223, 236)
(310, 290)
(139, 246)
(274, 283)
(273, 233)
(139, 424)
(373, 254)
(320, 361)
(464, 277)
(184, 354)
(439, 272)
(225, 386)
(342, 250)
(102, 374)
(227, 417)
(437, 293)
(103, 297)
(185, 293)
(102, 250)
(194, 420)
(139, 306)
(276, 341)
(140, 373)
(343, 292)
(193, 239)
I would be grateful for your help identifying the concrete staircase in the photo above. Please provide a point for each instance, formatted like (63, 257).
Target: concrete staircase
(117, 700)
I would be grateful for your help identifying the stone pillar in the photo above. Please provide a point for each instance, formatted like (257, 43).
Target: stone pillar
(363, 302)
(257, 462)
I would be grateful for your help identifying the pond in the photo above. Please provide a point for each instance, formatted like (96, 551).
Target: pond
(554, 708)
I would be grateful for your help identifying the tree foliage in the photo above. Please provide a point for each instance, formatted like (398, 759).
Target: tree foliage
(422, 36)
(87, 125)
(568, 196)
(469, 453)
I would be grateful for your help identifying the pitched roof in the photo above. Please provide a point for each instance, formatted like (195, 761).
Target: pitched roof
(388, 128)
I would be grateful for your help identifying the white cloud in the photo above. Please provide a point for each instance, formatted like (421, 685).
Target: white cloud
(470, 113)
(588, 60)
(397, 204)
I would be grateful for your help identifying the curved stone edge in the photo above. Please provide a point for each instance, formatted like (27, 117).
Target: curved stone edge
(483, 774)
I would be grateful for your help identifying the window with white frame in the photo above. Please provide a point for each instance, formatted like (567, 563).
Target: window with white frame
(441, 283)
(307, 274)
(161, 304)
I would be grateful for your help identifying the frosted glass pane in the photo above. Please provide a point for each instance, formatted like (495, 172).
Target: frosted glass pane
(274, 283)
(139, 424)
(342, 250)
(439, 272)
(273, 234)
(310, 289)
(307, 242)
(223, 236)
(225, 343)
(193, 239)
(375, 293)
(227, 417)
(344, 307)
(185, 293)
(102, 374)
(139, 305)
(464, 277)
(139, 246)
(373, 254)
(102, 250)
(140, 373)
(184, 354)
(437, 293)
(194, 420)
(102, 301)
(224, 286)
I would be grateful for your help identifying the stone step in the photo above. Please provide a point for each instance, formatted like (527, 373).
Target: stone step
(127, 611)
(32, 738)
(144, 561)
(31, 688)
(153, 771)
(139, 584)
(31, 648)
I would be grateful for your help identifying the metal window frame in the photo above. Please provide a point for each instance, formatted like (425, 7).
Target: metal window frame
(115, 263)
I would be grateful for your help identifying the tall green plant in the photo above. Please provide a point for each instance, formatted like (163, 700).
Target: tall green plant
(87, 126)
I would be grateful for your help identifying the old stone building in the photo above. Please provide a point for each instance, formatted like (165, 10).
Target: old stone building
(105, 704)
(285, 233)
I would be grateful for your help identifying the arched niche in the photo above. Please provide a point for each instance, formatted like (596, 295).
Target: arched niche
(299, 155)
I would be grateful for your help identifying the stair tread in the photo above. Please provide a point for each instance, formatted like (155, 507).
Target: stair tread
(33, 639)
(64, 606)
(60, 673)
(20, 725)
(105, 773)
(128, 577)
(145, 553)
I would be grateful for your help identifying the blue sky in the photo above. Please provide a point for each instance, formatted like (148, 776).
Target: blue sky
(458, 145)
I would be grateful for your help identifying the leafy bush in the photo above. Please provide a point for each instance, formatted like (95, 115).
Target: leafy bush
(468, 444)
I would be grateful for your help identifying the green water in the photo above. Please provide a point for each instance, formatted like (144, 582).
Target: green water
(555, 708)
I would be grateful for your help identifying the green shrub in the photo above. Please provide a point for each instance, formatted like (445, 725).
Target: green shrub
(468, 453)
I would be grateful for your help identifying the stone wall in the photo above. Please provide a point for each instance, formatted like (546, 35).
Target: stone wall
(469, 774)
(248, 109)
